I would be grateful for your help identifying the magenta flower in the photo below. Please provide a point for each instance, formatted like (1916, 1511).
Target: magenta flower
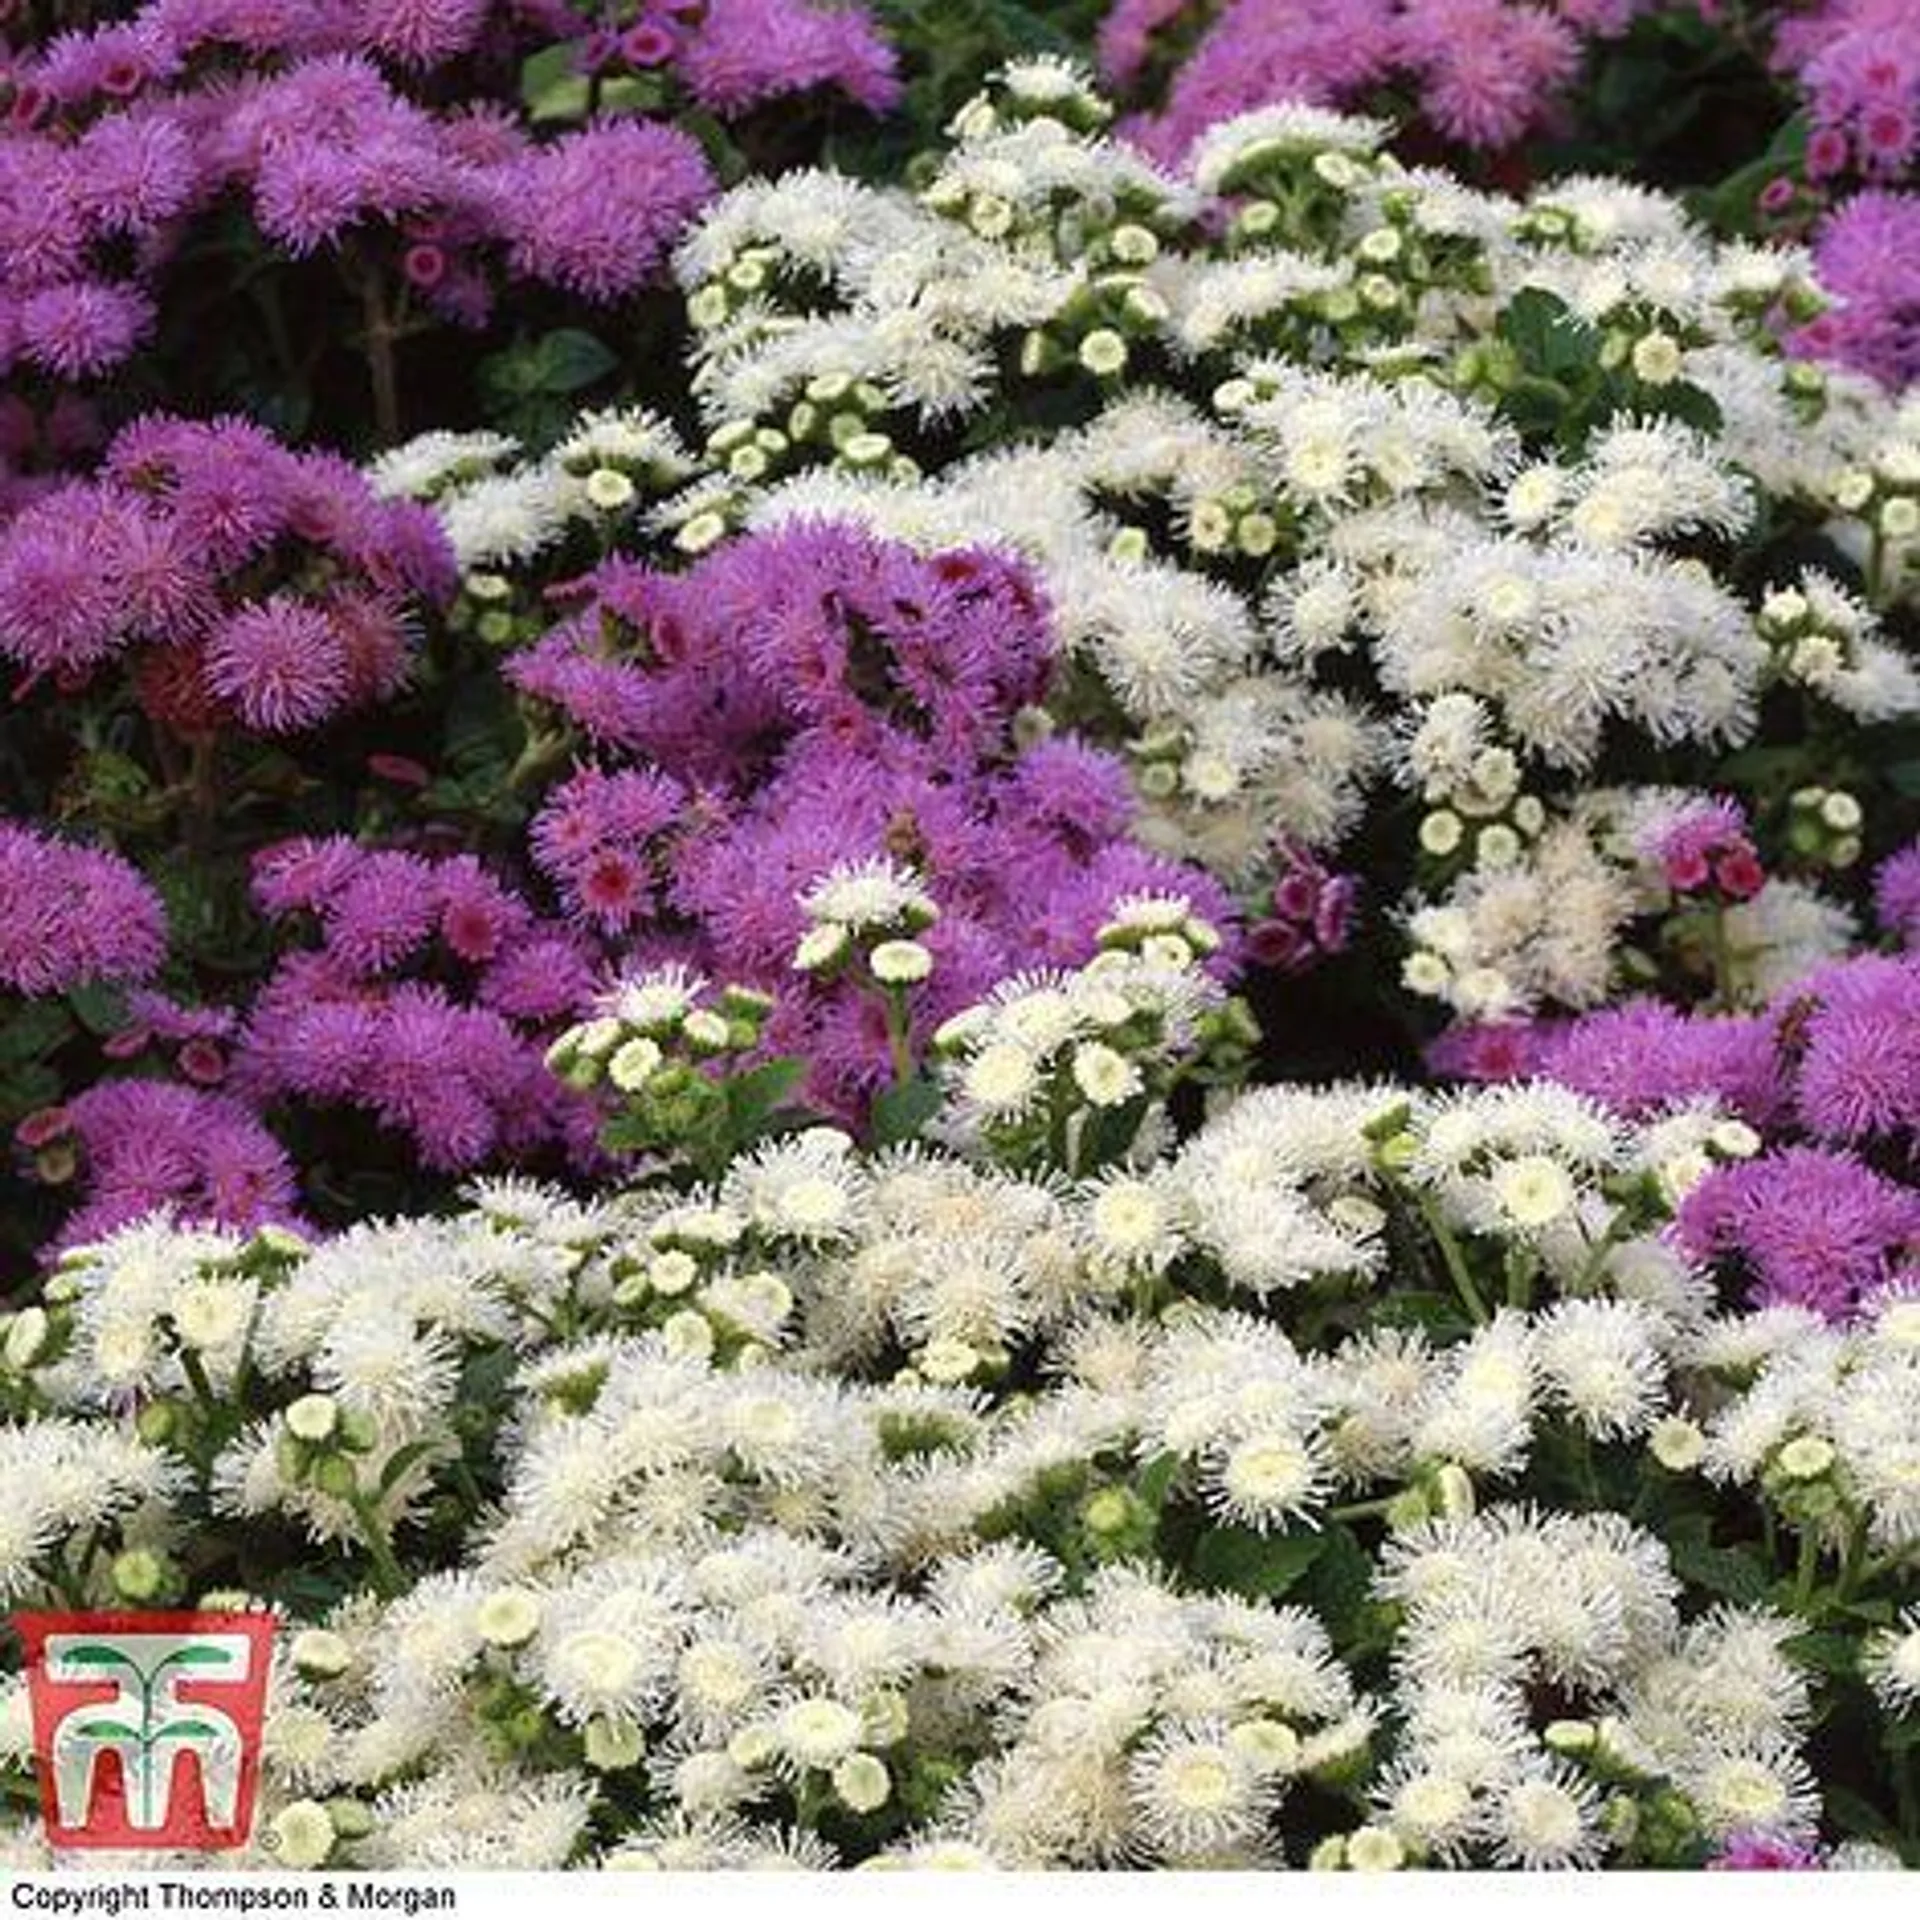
(596, 212)
(72, 915)
(1867, 254)
(1896, 895)
(281, 665)
(1802, 1227)
(147, 1146)
(1312, 914)
(1764, 1853)
(1705, 845)
(181, 555)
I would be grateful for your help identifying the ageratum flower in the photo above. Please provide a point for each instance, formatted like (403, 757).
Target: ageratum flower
(73, 915)
(312, 116)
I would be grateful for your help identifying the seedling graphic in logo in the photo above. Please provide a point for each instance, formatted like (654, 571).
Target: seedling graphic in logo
(146, 1726)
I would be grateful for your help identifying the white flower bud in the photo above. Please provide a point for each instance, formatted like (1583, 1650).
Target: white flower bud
(899, 963)
(301, 1835)
(509, 1618)
(862, 1782)
(313, 1417)
(634, 1064)
(821, 947)
(320, 1654)
(26, 1338)
(1677, 1444)
(608, 488)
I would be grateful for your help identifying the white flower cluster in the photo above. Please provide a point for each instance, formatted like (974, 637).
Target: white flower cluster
(1825, 1420)
(919, 1506)
(1512, 1604)
(1316, 508)
(1070, 1063)
(872, 909)
(497, 514)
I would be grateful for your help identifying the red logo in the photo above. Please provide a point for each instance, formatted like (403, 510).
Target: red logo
(146, 1726)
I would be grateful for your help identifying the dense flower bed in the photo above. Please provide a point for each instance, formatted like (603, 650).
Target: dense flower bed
(1063, 1011)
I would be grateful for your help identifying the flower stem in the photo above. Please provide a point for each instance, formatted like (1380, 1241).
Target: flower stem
(1808, 1572)
(1521, 1264)
(1722, 951)
(1853, 1561)
(899, 1035)
(379, 333)
(1361, 1509)
(387, 1577)
(203, 795)
(1456, 1261)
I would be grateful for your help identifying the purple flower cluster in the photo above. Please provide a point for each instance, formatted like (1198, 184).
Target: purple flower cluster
(140, 1146)
(748, 51)
(1703, 846)
(1312, 914)
(1896, 895)
(1851, 1036)
(244, 584)
(1837, 1055)
(113, 139)
(817, 696)
(1831, 1073)
(599, 838)
(1758, 1851)
(426, 1003)
(1813, 1228)
(1484, 71)
(1637, 1058)
(72, 914)
(1867, 255)
(1858, 61)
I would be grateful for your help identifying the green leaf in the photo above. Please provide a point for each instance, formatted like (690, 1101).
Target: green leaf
(1727, 1571)
(1549, 338)
(552, 87)
(403, 1458)
(752, 1098)
(1856, 1817)
(22, 1089)
(1433, 1312)
(31, 1029)
(1342, 1578)
(570, 358)
(106, 1730)
(1691, 405)
(188, 1730)
(100, 1008)
(1255, 1565)
(633, 93)
(1876, 1613)
(628, 1133)
(95, 1656)
(1830, 1653)
(904, 1110)
(1157, 1477)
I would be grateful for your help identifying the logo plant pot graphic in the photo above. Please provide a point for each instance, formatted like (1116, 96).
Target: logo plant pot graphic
(146, 1726)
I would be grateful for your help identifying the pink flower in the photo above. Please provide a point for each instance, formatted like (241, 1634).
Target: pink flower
(1738, 872)
(1826, 153)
